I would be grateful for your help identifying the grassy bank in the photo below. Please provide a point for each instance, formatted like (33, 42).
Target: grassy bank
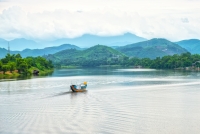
(15, 74)
(9, 75)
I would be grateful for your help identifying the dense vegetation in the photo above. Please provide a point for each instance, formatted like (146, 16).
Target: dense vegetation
(166, 62)
(100, 55)
(15, 63)
(94, 56)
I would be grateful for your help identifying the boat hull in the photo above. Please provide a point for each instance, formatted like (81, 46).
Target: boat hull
(77, 90)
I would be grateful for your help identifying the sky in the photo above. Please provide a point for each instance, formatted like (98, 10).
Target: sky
(54, 19)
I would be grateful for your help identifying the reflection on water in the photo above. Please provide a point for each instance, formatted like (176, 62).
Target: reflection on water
(117, 101)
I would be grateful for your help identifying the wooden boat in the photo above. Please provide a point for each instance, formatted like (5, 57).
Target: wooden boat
(77, 90)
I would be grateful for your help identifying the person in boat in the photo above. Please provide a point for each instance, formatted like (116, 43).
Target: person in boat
(81, 86)
(84, 85)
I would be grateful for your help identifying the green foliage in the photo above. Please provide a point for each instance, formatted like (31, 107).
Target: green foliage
(18, 56)
(12, 66)
(1, 64)
(102, 55)
(5, 68)
(13, 62)
(141, 54)
(23, 67)
(167, 62)
(94, 56)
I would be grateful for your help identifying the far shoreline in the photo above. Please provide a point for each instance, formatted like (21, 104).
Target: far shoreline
(197, 69)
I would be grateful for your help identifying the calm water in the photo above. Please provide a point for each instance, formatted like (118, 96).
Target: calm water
(139, 101)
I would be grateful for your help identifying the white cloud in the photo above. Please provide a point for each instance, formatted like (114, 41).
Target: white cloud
(42, 19)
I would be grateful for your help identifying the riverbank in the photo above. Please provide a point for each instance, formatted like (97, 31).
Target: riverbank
(9, 75)
(188, 68)
(41, 72)
(101, 66)
(15, 74)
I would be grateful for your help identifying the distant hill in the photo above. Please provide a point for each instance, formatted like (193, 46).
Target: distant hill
(47, 50)
(21, 43)
(3, 44)
(86, 40)
(151, 49)
(39, 52)
(3, 52)
(98, 53)
(192, 45)
(91, 40)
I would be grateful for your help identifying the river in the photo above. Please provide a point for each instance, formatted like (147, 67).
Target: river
(139, 101)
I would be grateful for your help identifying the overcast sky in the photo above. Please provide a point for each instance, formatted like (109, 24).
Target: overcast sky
(52, 19)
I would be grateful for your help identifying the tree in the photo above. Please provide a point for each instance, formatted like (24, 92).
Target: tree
(29, 61)
(18, 56)
(1, 65)
(12, 66)
(18, 64)
(5, 68)
(23, 67)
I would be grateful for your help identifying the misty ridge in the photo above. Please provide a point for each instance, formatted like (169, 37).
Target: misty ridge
(128, 44)
(86, 40)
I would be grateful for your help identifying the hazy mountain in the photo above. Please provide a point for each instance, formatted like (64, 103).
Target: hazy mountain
(192, 45)
(3, 52)
(91, 40)
(98, 53)
(114, 47)
(118, 44)
(21, 43)
(86, 40)
(3, 43)
(39, 52)
(152, 48)
(47, 50)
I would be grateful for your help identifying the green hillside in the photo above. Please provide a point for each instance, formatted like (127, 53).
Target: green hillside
(151, 49)
(192, 45)
(94, 56)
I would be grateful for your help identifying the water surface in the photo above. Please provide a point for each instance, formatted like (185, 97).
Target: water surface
(117, 101)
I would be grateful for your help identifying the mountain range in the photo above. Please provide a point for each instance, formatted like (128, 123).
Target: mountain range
(19, 44)
(38, 52)
(137, 46)
(101, 55)
(86, 40)
(151, 49)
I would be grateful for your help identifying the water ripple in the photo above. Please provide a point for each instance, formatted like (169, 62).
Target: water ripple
(111, 105)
